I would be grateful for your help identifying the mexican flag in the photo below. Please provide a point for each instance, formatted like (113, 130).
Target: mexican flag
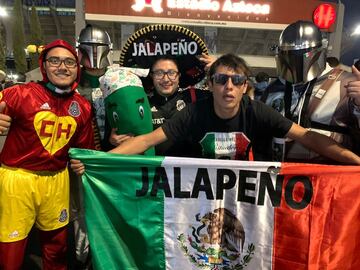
(175, 213)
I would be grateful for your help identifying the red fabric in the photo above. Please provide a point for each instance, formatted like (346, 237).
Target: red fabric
(251, 154)
(25, 146)
(242, 143)
(63, 44)
(193, 94)
(325, 234)
(54, 248)
(12, 254)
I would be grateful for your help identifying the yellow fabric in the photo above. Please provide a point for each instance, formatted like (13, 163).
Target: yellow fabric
(28, 198)
(54, 131)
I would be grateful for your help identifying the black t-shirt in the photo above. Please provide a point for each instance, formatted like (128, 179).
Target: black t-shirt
(212, 137)
(165, 108)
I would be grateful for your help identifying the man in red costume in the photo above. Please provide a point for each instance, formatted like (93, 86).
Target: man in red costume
(48, 118)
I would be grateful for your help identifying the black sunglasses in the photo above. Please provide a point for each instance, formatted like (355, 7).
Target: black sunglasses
(222, 79)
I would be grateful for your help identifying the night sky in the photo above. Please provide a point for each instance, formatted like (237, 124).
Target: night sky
(351, 19)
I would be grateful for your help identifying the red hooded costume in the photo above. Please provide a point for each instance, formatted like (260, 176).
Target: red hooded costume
(63, 44)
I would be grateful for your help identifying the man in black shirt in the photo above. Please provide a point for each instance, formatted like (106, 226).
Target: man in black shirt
(166, 100)
(229, 123)
(230, 137)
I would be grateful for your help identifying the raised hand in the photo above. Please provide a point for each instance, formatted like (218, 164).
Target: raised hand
(207, 60)
(5, 120)
(353, 87)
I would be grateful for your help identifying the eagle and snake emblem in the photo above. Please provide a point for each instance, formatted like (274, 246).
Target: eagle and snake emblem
(218, 241)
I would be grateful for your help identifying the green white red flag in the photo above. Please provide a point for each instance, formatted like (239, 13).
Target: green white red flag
(176, 213)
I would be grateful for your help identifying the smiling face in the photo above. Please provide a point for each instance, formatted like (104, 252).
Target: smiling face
(61, 76)
(164, 85)
(227, 97)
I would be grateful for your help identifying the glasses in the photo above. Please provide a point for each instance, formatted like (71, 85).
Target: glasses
(222, 79)
(160, 74)
(57, 61)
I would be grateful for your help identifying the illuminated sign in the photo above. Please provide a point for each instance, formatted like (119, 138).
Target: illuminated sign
(256, 14)
(324, 16)
(141, 4)
(173, 48)
(203, 5)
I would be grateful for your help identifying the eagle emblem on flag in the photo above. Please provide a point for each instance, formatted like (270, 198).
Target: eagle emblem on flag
(218, 242)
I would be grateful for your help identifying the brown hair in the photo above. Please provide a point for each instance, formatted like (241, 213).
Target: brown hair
(236, 63)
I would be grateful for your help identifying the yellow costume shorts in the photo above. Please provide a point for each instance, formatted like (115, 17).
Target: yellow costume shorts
(28, 198)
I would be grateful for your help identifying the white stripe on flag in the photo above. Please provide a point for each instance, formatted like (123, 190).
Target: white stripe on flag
(180, 215)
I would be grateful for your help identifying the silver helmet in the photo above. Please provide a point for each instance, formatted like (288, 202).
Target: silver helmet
(301, 54)
(94, 47)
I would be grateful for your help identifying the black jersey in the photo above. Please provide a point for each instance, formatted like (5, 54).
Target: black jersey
(165, 108)
(253, 126)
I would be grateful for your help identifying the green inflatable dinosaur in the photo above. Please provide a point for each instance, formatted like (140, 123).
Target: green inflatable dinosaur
(126, 104)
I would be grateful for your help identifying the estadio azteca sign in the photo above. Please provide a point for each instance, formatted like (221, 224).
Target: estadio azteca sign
(259, 14)
(204, 5)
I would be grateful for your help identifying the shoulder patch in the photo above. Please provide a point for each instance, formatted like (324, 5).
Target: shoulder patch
(74, 109)
(180, 104)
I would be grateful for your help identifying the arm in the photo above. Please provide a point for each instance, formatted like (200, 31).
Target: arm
(85, 130)
(139, 144)
(133, 145)
(322, 144)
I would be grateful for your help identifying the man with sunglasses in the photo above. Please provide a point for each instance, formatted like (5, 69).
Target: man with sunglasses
(47, 118)
(230, 123)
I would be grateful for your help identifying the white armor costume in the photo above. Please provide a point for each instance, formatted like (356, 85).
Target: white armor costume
(95, 55)
(309, 95)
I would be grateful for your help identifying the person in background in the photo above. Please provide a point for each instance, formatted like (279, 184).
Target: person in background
(95, 55)
(323, 100)
(35, 156)
(261, 82)
(94, 49)
(230, 125)
(166, 100)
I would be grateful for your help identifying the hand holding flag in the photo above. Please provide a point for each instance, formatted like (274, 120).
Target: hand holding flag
(77, 166)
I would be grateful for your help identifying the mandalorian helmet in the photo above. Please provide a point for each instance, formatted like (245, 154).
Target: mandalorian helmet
(94, 47)
(301, 54)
